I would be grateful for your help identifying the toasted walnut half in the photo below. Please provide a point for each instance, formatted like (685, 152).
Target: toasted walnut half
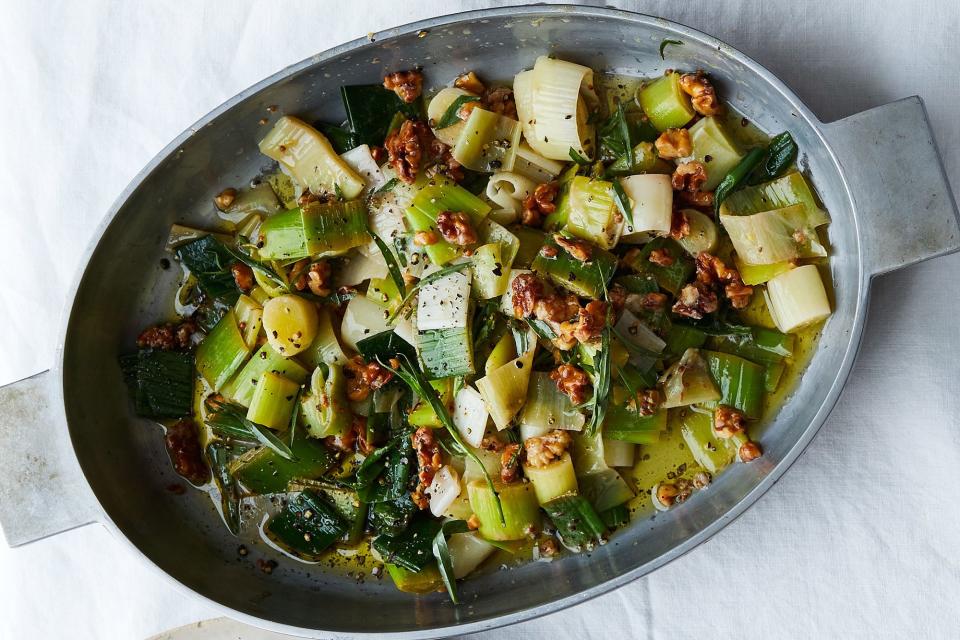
(703, 97)
(674, 143)
(543, 450)
(572, 381)
(406, 84)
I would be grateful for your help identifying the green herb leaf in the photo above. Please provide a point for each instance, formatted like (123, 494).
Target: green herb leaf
(392, 267)
(450, 116)
(579, 159)
(442, 553)
(338, 192)
(622, 200)
(256, 265)
(229, 419)
(615, 137)
(433, 277)
(601, 387)
(781, 153)
(387, 186)
(665, 43)
(413, 377)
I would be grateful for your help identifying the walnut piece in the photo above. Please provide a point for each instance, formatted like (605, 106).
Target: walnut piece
(168, 337)
(661, 257)
(728, 422)
(648, 401)
(428, 463)
(405, 148)
(500, 100)
(689, 176)
(703, 97)
(182, 441)
(579, 250)
(406, 84)
(674, 143)
(510, 463)
(455, 228)
(712, 270)
(469, 82)
(425, 238)
(749, 451)
(679, 225)
(543, 450)
(695, 301)
(363, 378)
(591, 321)
(539, 204)
(242, 276)
(572, 381)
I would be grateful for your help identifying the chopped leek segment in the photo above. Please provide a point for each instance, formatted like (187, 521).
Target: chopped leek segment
(587, 279)
(619, 453)
(161, 382)
(490, 275)
(592, 212)
(625, 424)
(334, 227)
(273, 401)
(423, 414)
(263, 470)
(222, 352)
(556, 479)
(753, 274)
(671, 277)
(470, 415)
(241, 387)
(311, 160)
(209, 261)
(444, 303)
(797, 298)
(703, 234)
(547, 407)
(769, 237)
(783, 192)
(249, 319)
(741, 382)
(437, 196)
(325, 409)
(446, 352)
(688, 381)
(577, 523)
(383, 346)
(645, 160)
(764, 346)
(651, 201)
(325, 348)
(665, 103)
(521, 511)
(487, 142)
(713, 146)
(530, 242)
(384, 292)
(710, 452)
(290, 322)
(410, 549)
(370, 108)
(306, 526)
(283, 237)
(505, 389)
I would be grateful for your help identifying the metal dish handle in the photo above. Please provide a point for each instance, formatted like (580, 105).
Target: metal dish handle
(42, 490)
(896, 174)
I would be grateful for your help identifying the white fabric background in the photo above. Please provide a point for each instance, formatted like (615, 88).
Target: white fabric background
(860, 539)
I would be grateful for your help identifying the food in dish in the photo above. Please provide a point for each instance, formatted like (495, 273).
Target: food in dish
(478, 324)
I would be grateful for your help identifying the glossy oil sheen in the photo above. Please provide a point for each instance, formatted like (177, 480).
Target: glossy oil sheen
(124, 288)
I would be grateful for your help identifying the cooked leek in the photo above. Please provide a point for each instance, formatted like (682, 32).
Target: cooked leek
(487, 142)
(310, 158)
(505, 389)
(521, 512)
(249, 319)
(446, 352)
(703, 233)
(325, 348)
(263, 470)
(444, 303)
(489, 274)
(592, 212)
(549, 408)
(222, 352)
(325, 409)
(665, 103)
(439, 107)
(290, 323)
(710, 452)
(508, 191)
(578, 524)
(774, 236)
(532, 165)
(435, 197)
(334, 227)
(587, 279)
(688, 381)
(282, 237)
(362, 319)
(273, 401)
(783, 192)
(242, 386)
(423, 415)
(752, 274)
(741, 382)
(713, 146)
(470, 415)
(797, 298)
(651, 200)
(556, 479)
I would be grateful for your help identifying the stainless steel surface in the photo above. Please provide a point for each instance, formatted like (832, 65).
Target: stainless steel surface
(121, 290)
(900, 190)
(42, 491)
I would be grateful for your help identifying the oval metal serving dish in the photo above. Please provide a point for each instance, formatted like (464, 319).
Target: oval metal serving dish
(852, 164)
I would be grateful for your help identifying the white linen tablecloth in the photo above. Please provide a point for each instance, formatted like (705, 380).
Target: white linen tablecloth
(860, 539)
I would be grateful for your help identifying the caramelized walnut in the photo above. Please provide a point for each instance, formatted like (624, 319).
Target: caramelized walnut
(168, 337)
(674, 143)
(428, 463)
(362, 378)
(455, 228)
(443, 161)
(405, 148)
(543, 450)
(728, 422)
(510, 463)
(648, 401)
(572, 381)
(712, 270)
(500, 100)
(695, 301)
(580, 250)
(703, 97)
(661, 257)
(425, 238)
(654, 300)
(539, 204)
(526, 290)
(318, 278)
(183, 444)
(679, 225)
(406, 84)
(749, 451)
(591, 320)
(469, 82)
(689, 176)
